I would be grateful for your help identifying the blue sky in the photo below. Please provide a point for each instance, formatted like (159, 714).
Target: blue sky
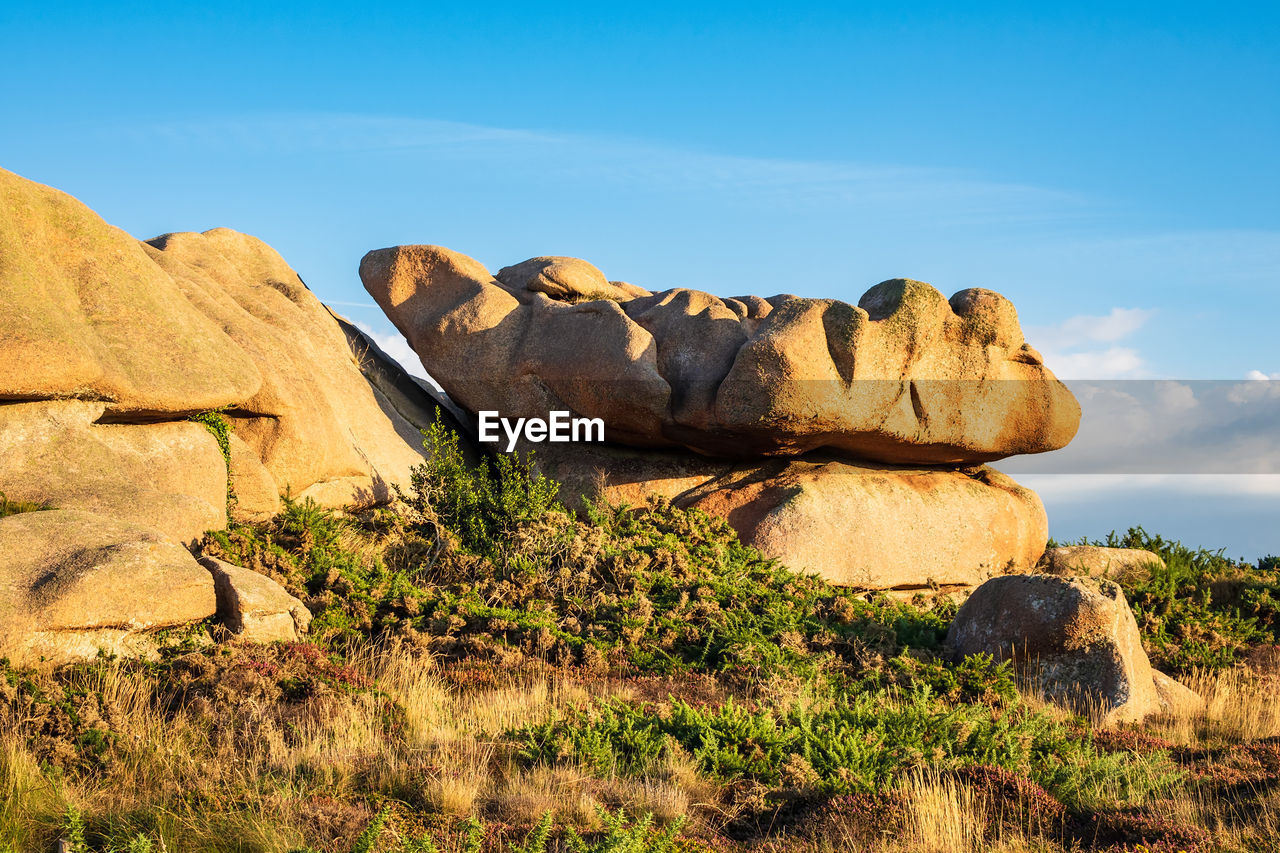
(1110, 167)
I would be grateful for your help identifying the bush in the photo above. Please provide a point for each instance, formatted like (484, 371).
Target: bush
(484, 504)
(484, 562)
(1201, 610)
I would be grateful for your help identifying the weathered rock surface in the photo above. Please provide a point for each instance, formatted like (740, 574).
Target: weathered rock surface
(1078, 637)
(624, 475)
(169, 476)
(861, 525)
(110, 345)
(566, 280)
(254, 607)
(74, 582)
(904, 377)
(315, 423)
(1176, 697)
(1097, 562)
(878, 527)
(84, 313)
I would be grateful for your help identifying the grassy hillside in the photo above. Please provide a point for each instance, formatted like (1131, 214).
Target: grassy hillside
(487, 672)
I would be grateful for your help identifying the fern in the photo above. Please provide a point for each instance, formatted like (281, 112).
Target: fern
(365, 842)
(538, 837)
(621, 838)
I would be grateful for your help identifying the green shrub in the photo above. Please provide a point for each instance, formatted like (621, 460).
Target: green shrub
(481, 562)
(845, 743)
(1201, 610)
(481, 504)
(8, 507)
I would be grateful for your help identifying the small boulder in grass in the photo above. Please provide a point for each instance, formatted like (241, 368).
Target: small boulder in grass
(254, 607)
(1076, 636)
(1094, 561)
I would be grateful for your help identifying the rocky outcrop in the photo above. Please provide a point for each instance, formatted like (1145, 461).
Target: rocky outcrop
(254, 607)
(1098, 562)
(1076, 636)
(86, 314)
(567, 280)
(904, 377)
(168, 476)
(112, 348)
(860, 525)
(73, 583)
(875, 527)
(711, 403)
(111, 345)
(314, 421)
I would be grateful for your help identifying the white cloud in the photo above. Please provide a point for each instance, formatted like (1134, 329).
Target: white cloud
(1073, 349)
(1087, 487)
(1256, 387)
(1175, 398)
(1168, 427)
(1118, 325)
(394, 345)
(1111, 363)
(946, 195)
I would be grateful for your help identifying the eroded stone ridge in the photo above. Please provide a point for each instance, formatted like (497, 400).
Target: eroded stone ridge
(111, 345)
(905, 376)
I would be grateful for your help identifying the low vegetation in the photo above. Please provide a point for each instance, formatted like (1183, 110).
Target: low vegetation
(1202, 610)
(489, 672)
(8, 507)
(215, 421)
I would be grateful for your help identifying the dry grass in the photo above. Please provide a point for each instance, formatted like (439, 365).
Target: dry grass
(270, 783)
(256, 778)
(1238, 707)
(943, 815)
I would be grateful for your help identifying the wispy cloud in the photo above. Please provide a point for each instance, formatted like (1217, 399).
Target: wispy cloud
(949, 195)
(394, 345)
(664, 214)
(1109, 363)
(1084, 487)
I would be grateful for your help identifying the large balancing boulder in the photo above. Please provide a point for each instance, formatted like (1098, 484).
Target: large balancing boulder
(906, 376)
